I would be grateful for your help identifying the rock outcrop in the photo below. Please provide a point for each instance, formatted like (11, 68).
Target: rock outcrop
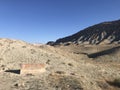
(103, 33)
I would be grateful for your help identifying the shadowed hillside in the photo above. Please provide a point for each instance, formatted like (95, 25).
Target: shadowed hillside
(103, 33)
(111, 51)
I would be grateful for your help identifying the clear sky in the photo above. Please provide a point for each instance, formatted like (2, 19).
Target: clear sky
(39, 21)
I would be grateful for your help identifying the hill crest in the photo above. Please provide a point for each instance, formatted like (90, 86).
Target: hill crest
(102, 33)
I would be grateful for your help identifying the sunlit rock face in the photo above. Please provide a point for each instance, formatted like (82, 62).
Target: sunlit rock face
(102, 33)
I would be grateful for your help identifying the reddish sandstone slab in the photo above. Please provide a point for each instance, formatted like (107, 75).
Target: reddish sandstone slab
(32, 69)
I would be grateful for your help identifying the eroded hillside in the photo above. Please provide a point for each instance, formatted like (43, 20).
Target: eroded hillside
(103, 33)
(68, 67)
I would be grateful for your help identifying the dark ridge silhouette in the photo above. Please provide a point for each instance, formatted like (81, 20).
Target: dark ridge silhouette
(95, 34)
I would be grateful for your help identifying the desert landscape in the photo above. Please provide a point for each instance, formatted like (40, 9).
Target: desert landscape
(87, 60)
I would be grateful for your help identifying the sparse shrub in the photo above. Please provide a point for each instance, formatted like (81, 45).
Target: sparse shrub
(70, 64)
(103, 85)
(33, 51)
(1, 59)
(2, 67)
(72, 73)
(1, 44)
(23, 46)
(29, 74)
(63, 63)
(32, 85)
(48, 61)
(65, 83)
(16, 85)
(70, 83)
(60, 72)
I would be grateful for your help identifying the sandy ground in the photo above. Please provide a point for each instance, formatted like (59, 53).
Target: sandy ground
(68, 68)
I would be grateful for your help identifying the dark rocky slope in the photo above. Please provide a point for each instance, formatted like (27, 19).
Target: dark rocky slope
(103, 33)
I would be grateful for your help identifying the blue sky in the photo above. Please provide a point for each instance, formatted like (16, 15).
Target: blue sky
(39, 21)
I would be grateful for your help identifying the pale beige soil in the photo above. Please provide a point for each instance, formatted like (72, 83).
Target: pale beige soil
(68, 68)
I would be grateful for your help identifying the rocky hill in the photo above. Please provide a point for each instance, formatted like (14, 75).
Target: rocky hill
(73, 67)
(102, 33)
